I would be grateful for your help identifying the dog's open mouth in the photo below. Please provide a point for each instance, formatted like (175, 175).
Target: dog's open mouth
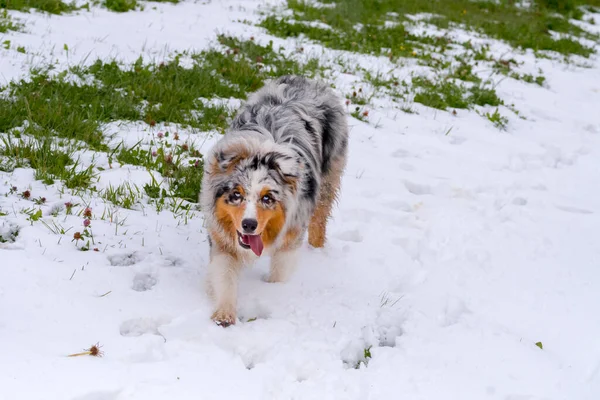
(253, 242)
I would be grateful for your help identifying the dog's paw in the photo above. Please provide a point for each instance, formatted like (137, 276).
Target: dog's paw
(317, 241)
(278, 275)
(224, 318)
(273, 278)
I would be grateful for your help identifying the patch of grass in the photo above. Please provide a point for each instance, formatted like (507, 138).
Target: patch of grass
(506, 67)
(75, 104)
(126, 195)
(396, 89)
(368, 26)
(182, 173)
(120, 5)
(361, 114)
(165, 92)
(366, 356)
(529, 78)
(358, 97)
(49, 162)
(6, 23)
(568, 8)
(277, 63)
(440, 95)
(368, 39)
(483, 96)
(444, 94)
(464, 72)
(9, 232)
(497, 119)
(49, 6)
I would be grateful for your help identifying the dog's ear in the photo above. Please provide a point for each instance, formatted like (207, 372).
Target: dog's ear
(226, 158)
(289, 168)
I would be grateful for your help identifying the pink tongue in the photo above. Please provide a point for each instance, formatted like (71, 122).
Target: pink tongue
(255, 243)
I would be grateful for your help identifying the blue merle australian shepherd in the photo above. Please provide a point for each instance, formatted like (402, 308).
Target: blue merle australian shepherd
(273, 176)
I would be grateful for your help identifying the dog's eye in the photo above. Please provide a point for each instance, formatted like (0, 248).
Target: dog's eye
(267, 199)
(235, 196)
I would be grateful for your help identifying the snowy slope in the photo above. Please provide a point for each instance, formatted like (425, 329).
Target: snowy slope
(451, 254)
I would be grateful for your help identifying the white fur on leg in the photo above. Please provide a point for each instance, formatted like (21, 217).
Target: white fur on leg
(223, 272)
(283, 264)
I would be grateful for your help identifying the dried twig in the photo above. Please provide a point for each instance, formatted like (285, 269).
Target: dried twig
(93, 351)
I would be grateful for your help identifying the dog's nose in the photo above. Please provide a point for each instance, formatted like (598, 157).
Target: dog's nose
(249, 225)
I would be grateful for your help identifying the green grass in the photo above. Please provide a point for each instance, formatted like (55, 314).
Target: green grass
(120, 5)
(358, 97)
(382, 28)
(464, 72)
(184, 178)
(371, 39)
(444, 94)
(165, 92)
(360, 113)
(72, 106)
(497, 119)
(9, 235)
(522, 27)
(440, 95)
(50, 6)
(484, 96)
(126, 195)
(568, 8)
(6, 23)
(48, 160)
(60, 7)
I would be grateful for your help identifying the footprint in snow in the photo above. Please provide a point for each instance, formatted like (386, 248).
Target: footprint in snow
(519, 201)
(104, 395)
(254, 313)
(457, 140)
(417, 188)
(386, 331)
(141, 326)
(350, 236)
(143, 281)
(125, 260)
(406, 167)
(399, 205)
(453, 312)
(401, 153)
(172, 261)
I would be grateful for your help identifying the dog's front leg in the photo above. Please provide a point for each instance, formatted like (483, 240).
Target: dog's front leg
(283, 264)
(223, 273)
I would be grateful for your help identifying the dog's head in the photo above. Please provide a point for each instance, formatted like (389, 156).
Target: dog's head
(250, 186)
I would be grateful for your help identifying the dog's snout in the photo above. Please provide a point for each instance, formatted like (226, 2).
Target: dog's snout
(249, 225)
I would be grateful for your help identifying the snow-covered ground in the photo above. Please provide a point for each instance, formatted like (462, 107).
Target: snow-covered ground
(455, 248)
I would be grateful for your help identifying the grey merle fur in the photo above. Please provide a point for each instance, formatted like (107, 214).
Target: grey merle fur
(293, 129)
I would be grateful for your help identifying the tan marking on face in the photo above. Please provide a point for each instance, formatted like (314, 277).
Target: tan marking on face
(230, 216)
(265, 191)
(270, 220)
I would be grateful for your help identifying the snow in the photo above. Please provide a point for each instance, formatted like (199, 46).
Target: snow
(454, 249)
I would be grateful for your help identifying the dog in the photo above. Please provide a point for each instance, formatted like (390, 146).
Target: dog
(274, 175)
